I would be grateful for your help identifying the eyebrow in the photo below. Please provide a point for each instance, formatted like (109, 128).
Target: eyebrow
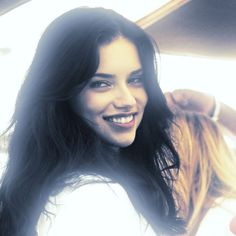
(110, 76)
(104, 75)
(139, 71)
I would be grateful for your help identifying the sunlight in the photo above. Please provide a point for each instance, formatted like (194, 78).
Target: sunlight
(213, 76)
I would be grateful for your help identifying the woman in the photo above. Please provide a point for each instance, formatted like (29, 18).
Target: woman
(90, 118)
(206, 184)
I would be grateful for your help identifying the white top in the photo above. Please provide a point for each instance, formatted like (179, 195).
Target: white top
(95, 209)
(217, 220)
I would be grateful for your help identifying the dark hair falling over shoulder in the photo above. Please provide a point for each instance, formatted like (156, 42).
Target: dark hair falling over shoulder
(51, 145)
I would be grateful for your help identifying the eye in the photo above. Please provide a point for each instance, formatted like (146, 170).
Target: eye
(100, 84)
(136, 81)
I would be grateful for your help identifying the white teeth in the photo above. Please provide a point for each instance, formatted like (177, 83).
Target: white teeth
(121, 120)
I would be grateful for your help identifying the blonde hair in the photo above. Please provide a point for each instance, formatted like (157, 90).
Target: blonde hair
(207, 168)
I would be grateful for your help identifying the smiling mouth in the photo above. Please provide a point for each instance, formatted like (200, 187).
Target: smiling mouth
(121, 118)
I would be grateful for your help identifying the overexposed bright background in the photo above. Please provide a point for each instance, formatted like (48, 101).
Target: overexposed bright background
(213, 76)
(22, 27)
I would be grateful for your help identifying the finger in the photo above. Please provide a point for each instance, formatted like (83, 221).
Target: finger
(171, 103)
(180, 97)
(169, 99)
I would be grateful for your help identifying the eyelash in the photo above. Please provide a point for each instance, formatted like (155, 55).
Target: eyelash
(100, 84)
(136, 80)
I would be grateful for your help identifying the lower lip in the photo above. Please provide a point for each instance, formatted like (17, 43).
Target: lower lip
(124, 125)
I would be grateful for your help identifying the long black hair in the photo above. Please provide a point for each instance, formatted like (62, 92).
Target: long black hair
(50, 144)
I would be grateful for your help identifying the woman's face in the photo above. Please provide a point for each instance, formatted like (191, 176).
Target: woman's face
(113, 101)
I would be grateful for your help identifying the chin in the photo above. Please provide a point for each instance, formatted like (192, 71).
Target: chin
(120, 141)
(124, 143)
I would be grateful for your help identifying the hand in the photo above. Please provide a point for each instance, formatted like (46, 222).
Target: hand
(185, 99)
(190, 100)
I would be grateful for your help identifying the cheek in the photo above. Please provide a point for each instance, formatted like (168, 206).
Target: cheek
(92, 104)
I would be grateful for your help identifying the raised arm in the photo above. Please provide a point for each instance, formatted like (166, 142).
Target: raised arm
(191, 100)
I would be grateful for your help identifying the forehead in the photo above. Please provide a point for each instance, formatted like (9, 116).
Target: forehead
(120, 54)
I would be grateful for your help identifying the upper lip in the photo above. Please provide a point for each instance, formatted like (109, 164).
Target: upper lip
(121, 115)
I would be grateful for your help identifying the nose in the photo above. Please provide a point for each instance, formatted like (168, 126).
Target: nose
(124, 98)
